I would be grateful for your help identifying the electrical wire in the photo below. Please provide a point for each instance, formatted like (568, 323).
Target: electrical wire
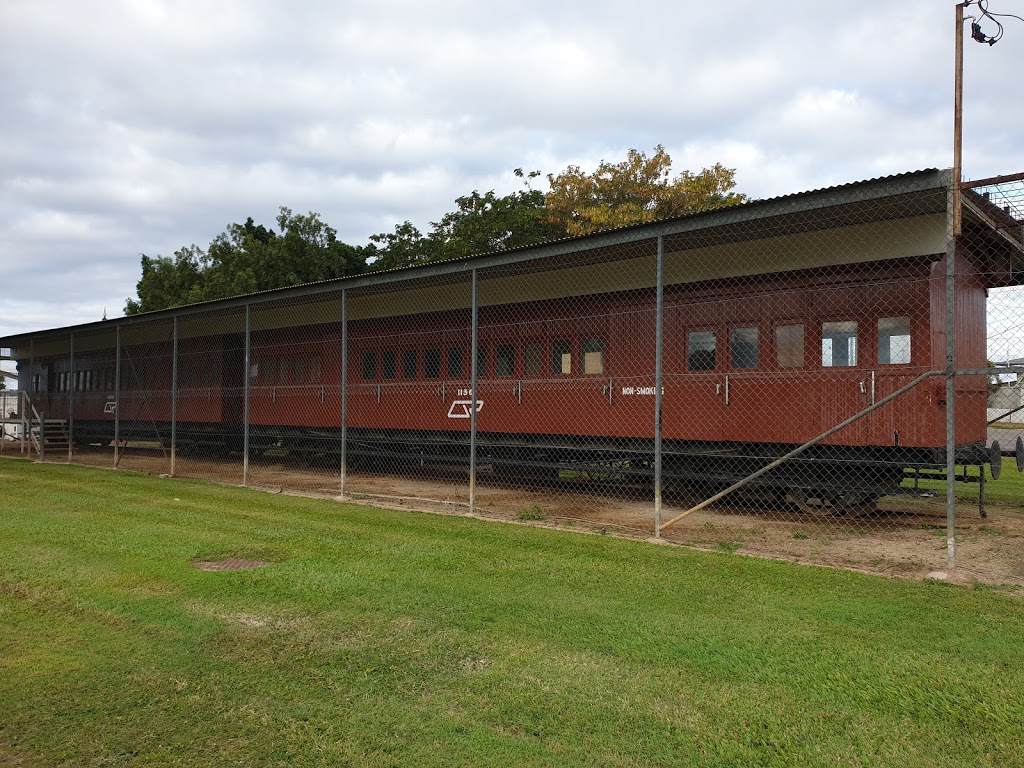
(976, 32)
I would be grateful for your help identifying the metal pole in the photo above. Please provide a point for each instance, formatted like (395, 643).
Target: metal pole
(951, 241)
(174, 394)
(344, 389)
(658, 380)
(71, 401)
(117, 394)
(26, 419)
(472, 405)
(245, 427)
(42, 437)
(950, 403)
(958, 110)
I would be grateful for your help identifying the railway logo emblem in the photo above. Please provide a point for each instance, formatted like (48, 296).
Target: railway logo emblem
(460, 409)
(109, 407)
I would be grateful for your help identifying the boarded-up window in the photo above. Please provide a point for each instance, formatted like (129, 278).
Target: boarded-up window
(839, 344)
(744, 348)
(894, 341)
(432, 363)
(409, 364)
(282, 370)
(369, 365)
(299, 370)
(454, 362)
(789, 346)
(315, 368)
(593, 356)
(561, 358)
(390, 363)
(506, 360)
(531, 358)
(701, 350)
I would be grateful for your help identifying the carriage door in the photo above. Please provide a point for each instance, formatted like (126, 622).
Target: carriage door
(695, 393)
(845, 387)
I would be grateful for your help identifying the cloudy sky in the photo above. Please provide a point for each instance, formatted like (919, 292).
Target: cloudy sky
(144, 125)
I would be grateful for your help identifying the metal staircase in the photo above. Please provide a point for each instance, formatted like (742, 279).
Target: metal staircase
(22, 424)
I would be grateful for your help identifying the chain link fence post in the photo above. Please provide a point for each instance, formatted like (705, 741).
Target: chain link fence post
(245, 410)
(71, 398)
(117, 394)
(473, 369)
(27, 421)
(174, 394)
(659, 339)
(950, 294)
(344, 391)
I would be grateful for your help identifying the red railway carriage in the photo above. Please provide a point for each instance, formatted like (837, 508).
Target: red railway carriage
(780, 319)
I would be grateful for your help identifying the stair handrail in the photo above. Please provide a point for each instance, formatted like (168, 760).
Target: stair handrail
(29, 413)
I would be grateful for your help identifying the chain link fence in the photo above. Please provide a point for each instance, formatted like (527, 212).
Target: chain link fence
(820, 377)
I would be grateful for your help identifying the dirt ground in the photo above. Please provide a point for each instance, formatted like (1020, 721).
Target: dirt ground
(904, 538)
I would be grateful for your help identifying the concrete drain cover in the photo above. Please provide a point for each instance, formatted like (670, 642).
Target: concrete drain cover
(231, 564)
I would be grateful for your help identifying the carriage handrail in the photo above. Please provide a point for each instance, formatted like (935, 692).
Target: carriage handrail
(856, 417)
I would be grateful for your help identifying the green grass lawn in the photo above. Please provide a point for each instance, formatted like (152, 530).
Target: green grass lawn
(395, 638)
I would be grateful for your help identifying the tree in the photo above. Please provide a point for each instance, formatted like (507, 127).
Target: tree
(481, 223)
(249, 257)
(637, 190)
(402, 248)
(167, 282)
(246, 258)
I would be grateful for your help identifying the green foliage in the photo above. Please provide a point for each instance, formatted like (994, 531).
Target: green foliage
(637, 190)
(248, 257)
(480, 223)
(384, 638)
(532, 512)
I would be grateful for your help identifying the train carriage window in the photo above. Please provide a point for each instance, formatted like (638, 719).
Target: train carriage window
(432, 363)
(390, 364)
(593, 356)
(36, 381)
(315, 369)
(298, 370)
(506, 360)
(454, 362)
(789, 346)
(282, 370)
(894, 341)
(701, 350)
(839, 344)
(369, 366)
(744, 348)
(531, 358)
(481, 362)
(409, 364)
(561, 358)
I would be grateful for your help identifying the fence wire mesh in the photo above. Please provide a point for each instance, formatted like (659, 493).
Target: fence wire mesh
(786, 360)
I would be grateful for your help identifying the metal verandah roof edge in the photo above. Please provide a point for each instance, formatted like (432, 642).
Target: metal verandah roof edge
(796, 202)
